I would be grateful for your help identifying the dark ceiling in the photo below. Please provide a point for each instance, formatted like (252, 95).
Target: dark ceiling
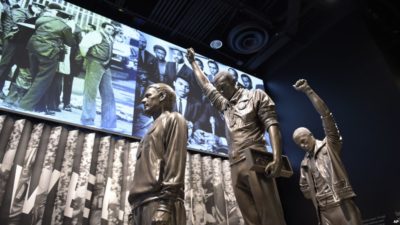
(257, 34)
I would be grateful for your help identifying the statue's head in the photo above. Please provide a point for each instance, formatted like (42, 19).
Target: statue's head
(225, 84)
(158, 97)
(304, 139)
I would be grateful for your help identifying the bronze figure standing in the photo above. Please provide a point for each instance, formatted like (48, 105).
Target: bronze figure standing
(323, 178)
(248, 114)
(157, 191)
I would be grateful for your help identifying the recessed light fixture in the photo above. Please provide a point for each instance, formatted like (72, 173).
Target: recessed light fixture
(216, 44)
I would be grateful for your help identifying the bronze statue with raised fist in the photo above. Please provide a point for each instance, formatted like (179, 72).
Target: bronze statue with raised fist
(248, 114)
(323, 178)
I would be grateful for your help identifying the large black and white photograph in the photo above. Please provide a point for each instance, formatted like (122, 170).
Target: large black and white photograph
(65, 63)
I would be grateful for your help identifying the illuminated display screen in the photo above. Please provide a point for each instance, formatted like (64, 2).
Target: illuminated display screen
(80, 68)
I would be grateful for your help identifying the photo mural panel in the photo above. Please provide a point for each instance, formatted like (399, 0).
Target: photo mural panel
(62, 175)
(63, 63)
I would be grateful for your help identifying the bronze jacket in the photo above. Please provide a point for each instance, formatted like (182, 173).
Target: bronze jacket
(328, 164)
(161, 161)
(247, 115)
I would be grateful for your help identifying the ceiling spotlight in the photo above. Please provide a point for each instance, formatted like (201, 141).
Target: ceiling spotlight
(216, 44)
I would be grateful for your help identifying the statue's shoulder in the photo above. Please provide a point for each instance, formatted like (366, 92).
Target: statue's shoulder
(175, 116)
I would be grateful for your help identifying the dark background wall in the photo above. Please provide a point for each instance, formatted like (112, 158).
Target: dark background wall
(346, 68)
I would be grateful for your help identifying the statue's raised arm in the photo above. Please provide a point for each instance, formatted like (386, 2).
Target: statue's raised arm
(303, 86)
(201, 78)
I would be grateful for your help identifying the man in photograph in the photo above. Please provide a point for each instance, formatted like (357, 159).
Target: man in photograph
(187, 106)
(146, 60)
(96, 48)
(46, 50)
(157, 190)
(213, 68)
(322, 170)
(178, 67)
(246, 81)
(161, 65)
(9, 19)
(141, 122)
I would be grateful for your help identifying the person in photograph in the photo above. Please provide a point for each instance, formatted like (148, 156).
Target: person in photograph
(201, 65)
(209, 128)
(213, 68)
(157, 191)
(141, 122)
(146, 60)
(142, 81)
(186, 105)
(200, 214)
(22, 78)
(177, 67)
(161, 65)
(322, 169)
(233, 73)
(10, 17)
(76, 64)
(246, 80)
(88, 29)
(46, 50)
(96, 48)
(67, 69)
(248, 114)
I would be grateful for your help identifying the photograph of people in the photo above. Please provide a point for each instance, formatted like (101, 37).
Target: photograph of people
(56, 69)
(92, 72)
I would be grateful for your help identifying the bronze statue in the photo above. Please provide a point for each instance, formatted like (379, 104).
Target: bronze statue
(323, 178)
(157, 190)
(248, 114)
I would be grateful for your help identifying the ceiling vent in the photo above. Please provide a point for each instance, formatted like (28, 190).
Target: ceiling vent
(247, 38)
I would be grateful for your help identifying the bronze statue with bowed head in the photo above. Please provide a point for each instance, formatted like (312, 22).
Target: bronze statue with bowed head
(248, 114)
(157, 190)
(323, 178)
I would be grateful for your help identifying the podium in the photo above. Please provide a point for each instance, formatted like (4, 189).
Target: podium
(258, 160)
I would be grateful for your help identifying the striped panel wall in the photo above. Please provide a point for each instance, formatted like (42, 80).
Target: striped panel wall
(59, 175)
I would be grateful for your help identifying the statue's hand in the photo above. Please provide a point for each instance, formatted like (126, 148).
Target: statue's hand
(301, 85)
(161, 218)
(273, 168)
(190, 54)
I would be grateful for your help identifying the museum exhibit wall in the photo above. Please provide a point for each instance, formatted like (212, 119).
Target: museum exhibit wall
(56, 174)
(347, 69)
